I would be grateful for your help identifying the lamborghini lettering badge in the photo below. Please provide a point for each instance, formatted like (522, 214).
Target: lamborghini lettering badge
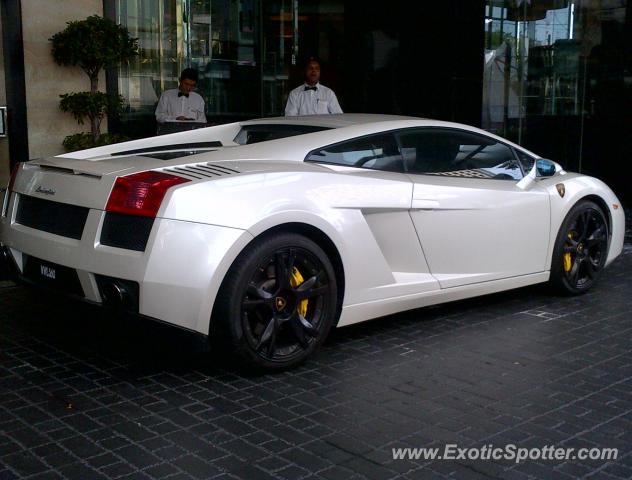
(561, 189)
(44, 190)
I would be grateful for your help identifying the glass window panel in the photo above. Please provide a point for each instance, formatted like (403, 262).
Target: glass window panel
(556, 80)
(157, 25)
(376, 152)
(532, 65)
(458, 154)
(246, 52)
(526, 160)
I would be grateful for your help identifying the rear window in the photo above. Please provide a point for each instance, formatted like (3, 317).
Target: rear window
(261, 133)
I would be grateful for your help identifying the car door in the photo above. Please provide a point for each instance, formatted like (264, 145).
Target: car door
(372, 183)
(473, 221)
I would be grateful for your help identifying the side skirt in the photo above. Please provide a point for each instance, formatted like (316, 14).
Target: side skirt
(368, 310)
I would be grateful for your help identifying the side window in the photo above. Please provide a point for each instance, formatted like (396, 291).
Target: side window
(526, 161)
(376, 152)
(458, 154)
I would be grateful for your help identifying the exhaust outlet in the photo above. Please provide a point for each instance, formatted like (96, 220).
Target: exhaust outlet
(118, 293)
(113, 295)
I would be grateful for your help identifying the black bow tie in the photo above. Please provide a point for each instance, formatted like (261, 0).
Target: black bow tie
(310, 88)
(180, 94)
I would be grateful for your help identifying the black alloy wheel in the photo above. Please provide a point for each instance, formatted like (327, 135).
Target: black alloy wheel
(278, 301)
(581, 249)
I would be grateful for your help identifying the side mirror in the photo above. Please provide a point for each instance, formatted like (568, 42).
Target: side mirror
(541, 169)
(545, 168)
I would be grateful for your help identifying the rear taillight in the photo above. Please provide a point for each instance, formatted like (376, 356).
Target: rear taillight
(14, 173)
(141, 193)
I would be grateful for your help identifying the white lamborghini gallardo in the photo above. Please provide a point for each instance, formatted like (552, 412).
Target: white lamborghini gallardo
(264, 234)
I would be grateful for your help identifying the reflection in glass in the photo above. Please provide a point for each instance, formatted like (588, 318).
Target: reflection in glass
(557, 79)
(246, 52)
(531, 63)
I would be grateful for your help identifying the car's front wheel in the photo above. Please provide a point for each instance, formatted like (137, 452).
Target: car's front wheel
(581, 249)
(278, 301)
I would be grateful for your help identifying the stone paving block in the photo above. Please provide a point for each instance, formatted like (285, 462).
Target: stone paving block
(79, 400)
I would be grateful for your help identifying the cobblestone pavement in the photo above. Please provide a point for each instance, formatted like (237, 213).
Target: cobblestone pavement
(88, 396)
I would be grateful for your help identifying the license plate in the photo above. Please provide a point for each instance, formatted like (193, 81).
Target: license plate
(52, 275)
(48, 272)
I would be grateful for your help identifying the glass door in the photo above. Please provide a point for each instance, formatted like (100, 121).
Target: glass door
(248, 54)
(280, 50)
(220, 42)
(158, 27)
(292, 31)
(245, 52)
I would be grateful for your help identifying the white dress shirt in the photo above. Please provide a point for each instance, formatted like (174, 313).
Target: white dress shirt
(305, 101)
(170, 107)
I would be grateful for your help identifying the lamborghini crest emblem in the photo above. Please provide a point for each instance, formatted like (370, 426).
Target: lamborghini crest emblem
(280, 303)
(561, 189)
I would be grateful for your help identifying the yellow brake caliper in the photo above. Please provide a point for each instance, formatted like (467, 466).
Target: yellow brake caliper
(295, 280)
(567, 257)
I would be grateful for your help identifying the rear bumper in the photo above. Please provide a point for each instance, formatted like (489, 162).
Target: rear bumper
(177, 276)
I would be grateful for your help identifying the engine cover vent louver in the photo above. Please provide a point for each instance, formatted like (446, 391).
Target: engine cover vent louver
(201, 170)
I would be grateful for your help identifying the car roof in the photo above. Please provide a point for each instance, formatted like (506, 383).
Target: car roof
(338, 127)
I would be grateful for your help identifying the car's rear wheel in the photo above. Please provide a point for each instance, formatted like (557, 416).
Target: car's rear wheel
(581, 249)
(278, 302)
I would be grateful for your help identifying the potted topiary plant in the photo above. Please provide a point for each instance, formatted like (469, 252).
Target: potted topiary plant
(92, 44)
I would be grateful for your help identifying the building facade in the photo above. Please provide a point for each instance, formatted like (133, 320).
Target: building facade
(558, 79)
(33, 82)
(553, 75)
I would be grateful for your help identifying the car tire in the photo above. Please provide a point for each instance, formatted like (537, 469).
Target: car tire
(580, 250)
(278, 302)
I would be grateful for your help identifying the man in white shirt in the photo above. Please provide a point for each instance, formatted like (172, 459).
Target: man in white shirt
(312, 98)
(182, 104)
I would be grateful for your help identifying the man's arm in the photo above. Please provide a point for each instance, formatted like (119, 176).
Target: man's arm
(291, 108)
(333, 105)
(162, 110)
(200, 116)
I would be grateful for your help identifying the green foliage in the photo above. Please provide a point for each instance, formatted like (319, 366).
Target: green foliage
(81, 141)
(90, 105)
(92, 44)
